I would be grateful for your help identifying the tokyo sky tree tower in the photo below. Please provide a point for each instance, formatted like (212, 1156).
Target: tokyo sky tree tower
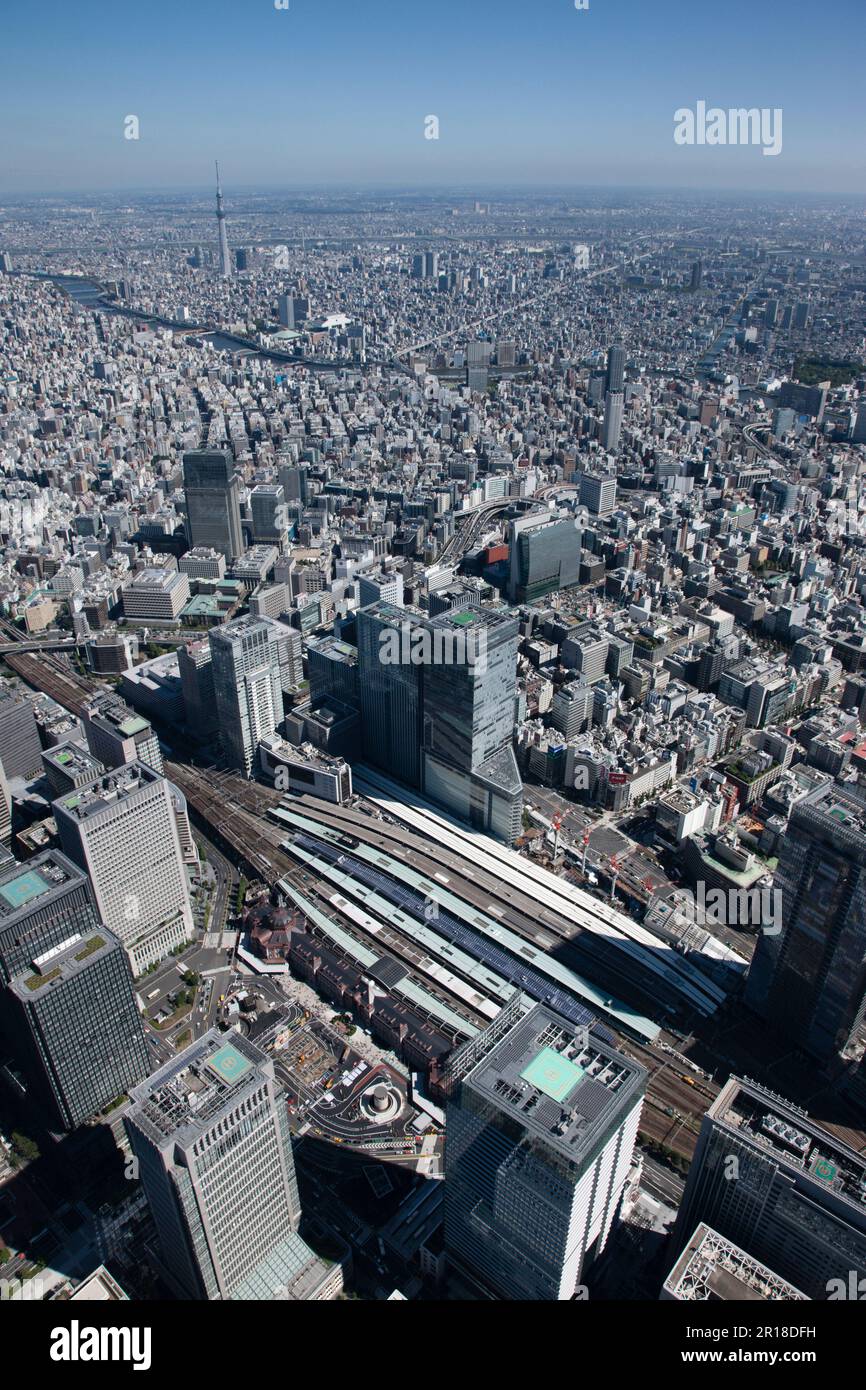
(225, 258)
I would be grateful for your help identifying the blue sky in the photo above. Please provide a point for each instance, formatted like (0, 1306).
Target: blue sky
(336, 92)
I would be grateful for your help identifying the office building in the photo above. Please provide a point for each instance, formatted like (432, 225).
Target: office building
(386, 585)
(612, 423)
(598, 494)
(290, 653)
(544, 555)
(117, 735)
(774, 1182)
(210, 1131)
(68, 765)
(712, 1269)
(42, 904)
(294, 482)
(615, 375)
(270, 601)
(809, 980)
(213, 509)
(469, 695)
(155, 595)
(268, 509)
(20, 749)
(246, 657)
(196, 680)
(286, 310)
(203, 562)
(73, 1023)
(123, 831)
(390, 693)
(305, 773)
(332, 666)
(541, 1132)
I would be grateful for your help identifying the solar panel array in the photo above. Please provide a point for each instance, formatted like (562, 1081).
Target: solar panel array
(530, 981)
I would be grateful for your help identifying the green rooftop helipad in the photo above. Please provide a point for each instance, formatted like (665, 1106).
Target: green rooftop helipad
(229, 1064)
(552, 1073)
(22, 889)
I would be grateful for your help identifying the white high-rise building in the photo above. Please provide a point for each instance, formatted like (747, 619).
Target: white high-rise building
(122, 830)
(541, 1133)
(210, 1131)
(246, 661)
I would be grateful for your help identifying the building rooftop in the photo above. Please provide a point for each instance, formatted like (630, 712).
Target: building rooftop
(795, 1142)
(107, 790)
(712, 1269)
(154, 579)
(560, 1083)
(181, 1100)
(21, 885)
(63, 961)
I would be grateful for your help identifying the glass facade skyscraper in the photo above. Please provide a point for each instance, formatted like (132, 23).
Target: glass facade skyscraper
(782, 1187)
(213, 508)
(247, 683)
(438, 707)
(809, 979)
(391, 694)
(74, 1026)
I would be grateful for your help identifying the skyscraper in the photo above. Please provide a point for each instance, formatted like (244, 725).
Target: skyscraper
(809, 979)
(777, 1184)
(20, 749)
(541, 1132)
(196, 680)
(615, 377)
(224, 255)
(268, 508)
(123, 830)
(245, 657)
(469, 693)
(391, 694)
(612, 427)
(213, 508)
(210, 1131)
(42, 904)
(614, 385)
(72, 1020)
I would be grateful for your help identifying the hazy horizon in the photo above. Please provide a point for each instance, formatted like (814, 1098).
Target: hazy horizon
(328, 94)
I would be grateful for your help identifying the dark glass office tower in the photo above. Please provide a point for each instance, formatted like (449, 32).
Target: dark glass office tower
(809, 980)
(213, 508)
(73, 1023)
(20, 749)
(470, 690)
(391, 692)
(42, 903)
